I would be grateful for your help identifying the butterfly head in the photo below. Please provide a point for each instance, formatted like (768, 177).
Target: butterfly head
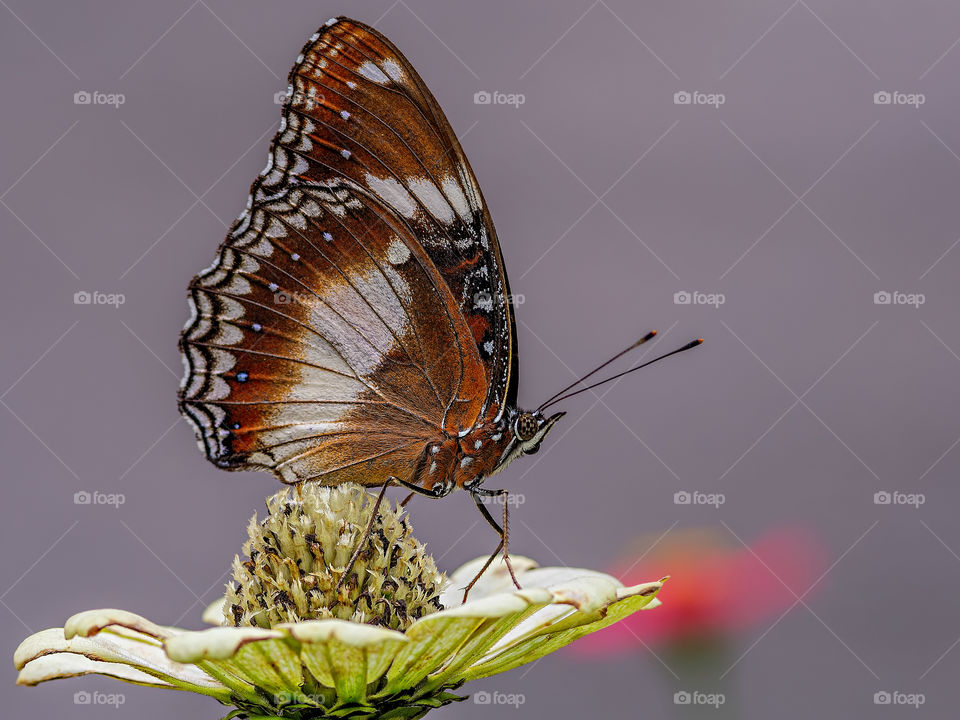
(525, 433)
(530, 428)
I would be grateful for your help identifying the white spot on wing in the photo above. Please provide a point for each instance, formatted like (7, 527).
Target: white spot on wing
(393, 194)
(372, 72)
(397, 252)
(431, 197)
(394, 70)
(299, 167)
(451, 188)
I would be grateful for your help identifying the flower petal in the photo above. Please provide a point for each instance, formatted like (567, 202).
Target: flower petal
(220, 643)
(213, 613)
(445, 641)
(255, 655)
(345, 655)
(496, 579)
(541, 641)
(67, 665)
(90, 622)
(570, 590)
(112, 652)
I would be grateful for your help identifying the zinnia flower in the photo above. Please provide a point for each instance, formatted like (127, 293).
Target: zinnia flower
(747, 585)
(297, 639)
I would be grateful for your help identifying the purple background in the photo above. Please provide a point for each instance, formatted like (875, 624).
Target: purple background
(797, 199)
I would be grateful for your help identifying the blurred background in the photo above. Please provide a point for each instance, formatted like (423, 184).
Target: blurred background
(779, 178)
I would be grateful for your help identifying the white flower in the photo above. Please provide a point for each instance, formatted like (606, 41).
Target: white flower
(331, 667)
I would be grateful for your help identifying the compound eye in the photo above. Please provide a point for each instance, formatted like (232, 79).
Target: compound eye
(527, 426)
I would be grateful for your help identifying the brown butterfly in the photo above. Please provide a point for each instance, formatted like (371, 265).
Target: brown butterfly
(356, 324)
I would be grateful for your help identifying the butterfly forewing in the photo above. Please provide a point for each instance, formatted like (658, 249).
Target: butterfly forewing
(357, 309)
(375, 123)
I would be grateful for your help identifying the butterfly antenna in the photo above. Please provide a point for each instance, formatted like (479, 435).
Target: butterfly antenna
(649, 336)
(688, 346)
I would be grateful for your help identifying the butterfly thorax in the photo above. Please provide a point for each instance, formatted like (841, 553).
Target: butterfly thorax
(486, 448)
(464, 459)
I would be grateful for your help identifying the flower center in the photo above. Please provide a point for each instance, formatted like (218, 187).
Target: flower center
(298, 554)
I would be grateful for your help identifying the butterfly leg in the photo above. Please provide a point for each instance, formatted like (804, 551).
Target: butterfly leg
(366, 533)
(493, 556)
(503, 532)
(376, 509)
(438, 491)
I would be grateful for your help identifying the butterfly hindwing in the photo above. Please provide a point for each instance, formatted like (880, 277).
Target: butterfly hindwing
(309, 356)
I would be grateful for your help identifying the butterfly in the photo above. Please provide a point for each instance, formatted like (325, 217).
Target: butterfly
(355, 325)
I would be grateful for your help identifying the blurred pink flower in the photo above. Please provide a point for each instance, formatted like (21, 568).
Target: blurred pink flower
(716, 588)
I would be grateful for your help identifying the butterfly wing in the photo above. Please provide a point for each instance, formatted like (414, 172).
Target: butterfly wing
(331, 339)
(364, 99)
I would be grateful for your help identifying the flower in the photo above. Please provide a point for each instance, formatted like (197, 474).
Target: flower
(297, 557)
(290, 644)
(699, 559)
